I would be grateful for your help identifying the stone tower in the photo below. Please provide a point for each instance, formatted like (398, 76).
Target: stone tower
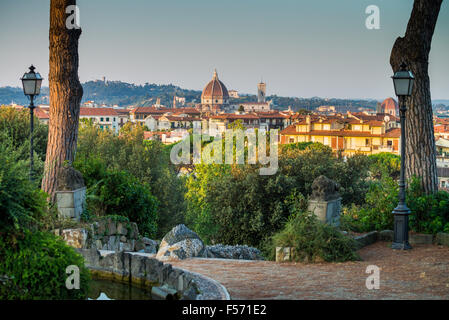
(261, 91)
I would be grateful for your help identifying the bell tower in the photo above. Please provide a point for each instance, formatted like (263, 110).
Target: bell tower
(261, 91)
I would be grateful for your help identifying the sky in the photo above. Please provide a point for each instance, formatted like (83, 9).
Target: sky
(300, 48)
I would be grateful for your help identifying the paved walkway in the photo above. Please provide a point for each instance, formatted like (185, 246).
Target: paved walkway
(421, 273)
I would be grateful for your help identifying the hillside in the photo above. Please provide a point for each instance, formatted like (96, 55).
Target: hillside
(125, 94)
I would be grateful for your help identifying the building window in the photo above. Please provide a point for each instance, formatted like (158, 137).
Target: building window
(366, 142)
(101, 119)
(107, 119)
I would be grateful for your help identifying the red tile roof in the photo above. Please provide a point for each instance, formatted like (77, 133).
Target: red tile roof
(85, 111)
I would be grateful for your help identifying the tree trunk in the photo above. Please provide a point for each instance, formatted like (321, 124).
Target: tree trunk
(65, 95)
(413, 49)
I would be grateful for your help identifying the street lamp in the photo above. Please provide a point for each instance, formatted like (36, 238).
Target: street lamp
(403, 85)
(31, 83)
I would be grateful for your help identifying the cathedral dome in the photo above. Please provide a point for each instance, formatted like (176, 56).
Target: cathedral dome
(390, 106)
(215, 92)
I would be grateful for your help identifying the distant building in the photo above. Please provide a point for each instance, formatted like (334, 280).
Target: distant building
(389, 106)
(356, 134)
(443, 178)
(105, 118)
(261, 92)
(215, 96)
(234, 94)
(326, 109)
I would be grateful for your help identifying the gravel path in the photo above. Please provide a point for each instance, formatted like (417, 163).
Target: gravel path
(421, 273)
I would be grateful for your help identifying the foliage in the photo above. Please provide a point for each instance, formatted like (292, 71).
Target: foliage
(313, 240)
(304, 166)
(297, 145)
(15, 132)
(236, 205)
(385, 163)
(148, 161)
(33, 266)
(430, 212)
(22, 204)
(114, 192)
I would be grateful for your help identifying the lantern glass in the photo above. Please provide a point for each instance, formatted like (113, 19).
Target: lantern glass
(403, 83)
(31, 82)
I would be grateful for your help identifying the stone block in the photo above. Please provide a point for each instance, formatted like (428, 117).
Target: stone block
(284, 254)
(71, 203)
(420, 238)
(75, 237)
(386, 235)
(442, 238)
(326, 211)
(366, 239)
(122, 229)
(134, 232)
(111, 228)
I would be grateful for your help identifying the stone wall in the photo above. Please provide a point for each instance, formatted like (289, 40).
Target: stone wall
(146, 271)
(109, 234)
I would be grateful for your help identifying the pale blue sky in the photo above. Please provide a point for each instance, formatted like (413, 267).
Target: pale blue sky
(300, 48)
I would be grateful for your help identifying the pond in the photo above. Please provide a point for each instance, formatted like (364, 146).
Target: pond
(110, 290)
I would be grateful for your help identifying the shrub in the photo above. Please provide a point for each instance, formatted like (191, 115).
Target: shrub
(148, 161)
(385, 163)
(314, 241)
(119, 193)
(33, 266)
(381, 199)
(236, 205)
(22, 204)
(430, 212)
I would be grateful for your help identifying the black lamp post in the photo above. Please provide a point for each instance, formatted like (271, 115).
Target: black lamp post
(403, 85)
(31, 83)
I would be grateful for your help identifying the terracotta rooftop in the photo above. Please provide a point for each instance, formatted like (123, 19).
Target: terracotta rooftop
(85, 111)
(391, 133)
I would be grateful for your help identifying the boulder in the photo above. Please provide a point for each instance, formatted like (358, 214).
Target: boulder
(75, 237)
(150, 246)
(122, 229)
(233, 252)
(181, 243)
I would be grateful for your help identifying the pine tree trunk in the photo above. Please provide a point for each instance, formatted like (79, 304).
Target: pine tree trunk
(414, 49)
(65, 94)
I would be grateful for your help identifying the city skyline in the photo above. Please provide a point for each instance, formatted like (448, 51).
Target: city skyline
(299, 49)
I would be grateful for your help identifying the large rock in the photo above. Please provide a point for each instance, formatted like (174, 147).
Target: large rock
(150, 246)
(181, 243)
(75, 237)
(233, 252)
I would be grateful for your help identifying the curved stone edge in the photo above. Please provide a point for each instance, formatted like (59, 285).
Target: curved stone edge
(204, 285)
(145, 270)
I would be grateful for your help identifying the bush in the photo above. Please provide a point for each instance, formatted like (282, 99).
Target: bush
(15, 132)
(119, 193)
(304, 166)
(430, 212)
(22, 204)
(385, 164)
(33, 266)
(148, 161)
(236, 205)
(314, 241)
(381, 199)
